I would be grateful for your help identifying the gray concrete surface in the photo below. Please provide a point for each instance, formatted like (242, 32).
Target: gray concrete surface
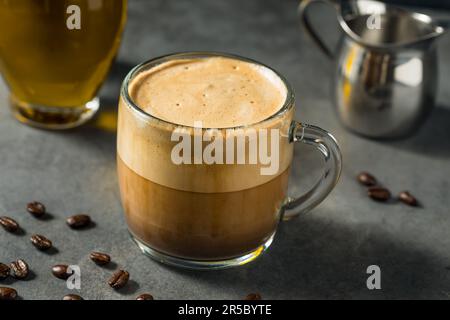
(321, 255)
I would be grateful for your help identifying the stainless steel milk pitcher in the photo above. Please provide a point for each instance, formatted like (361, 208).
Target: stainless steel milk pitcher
(386, 66)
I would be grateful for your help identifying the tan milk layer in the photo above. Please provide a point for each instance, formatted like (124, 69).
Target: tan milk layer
(219, 92)
(144, 143)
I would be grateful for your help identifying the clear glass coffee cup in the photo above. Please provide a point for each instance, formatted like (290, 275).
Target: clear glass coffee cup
(213, 215)
(55, 55)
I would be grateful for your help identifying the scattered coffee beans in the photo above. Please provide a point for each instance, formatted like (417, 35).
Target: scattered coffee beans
(4, 271)
(78, 221)
(367, 179)
(72, 297)
(145, 296)
(382, 194)
(37, 209)
(41, 242)
(119, 279)
(19, 269)
(379, 194)
(7, 293)
(100, 258)
(9, 224)
(408, 198)
(60, 271)
(253, 296)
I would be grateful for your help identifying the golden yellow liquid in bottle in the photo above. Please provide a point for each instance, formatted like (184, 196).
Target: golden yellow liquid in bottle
(45, 62)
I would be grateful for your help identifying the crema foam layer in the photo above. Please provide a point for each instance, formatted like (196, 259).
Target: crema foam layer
(220, 92)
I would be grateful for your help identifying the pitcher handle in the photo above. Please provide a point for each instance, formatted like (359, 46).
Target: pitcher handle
(306, 23)
(328, 147)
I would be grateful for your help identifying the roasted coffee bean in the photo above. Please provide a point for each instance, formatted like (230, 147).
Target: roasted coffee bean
(60, 271)
(37, 209)
(78, 221)
(72, 297)
(19, 269)
(408, 199)
(145, 296)
(253, 296)
(379, 194)
(9, 224)
(367, 179)
(7, 293)
(4, 271)
(100, 258)
(119, 279)
(41, 242)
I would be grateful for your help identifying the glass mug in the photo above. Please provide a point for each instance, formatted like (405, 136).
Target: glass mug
(210, 216)
(55, 54)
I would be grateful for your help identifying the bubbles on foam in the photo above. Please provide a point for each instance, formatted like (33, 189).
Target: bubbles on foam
(212, 91)
(273, 78)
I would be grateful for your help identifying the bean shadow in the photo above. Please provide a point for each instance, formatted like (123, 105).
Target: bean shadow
(131, 288)
(90, 226)
(433, 138)
(31, 276)
(8, 281)
(11, 280)
(20, 232)
(51, 252)
(46, 217)
(110, 266)
(315, 259)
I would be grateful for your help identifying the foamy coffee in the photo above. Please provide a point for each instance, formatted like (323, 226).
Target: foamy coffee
(192, 211)
(219, 92)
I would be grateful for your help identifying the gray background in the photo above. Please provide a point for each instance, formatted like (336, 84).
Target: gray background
(321, 255)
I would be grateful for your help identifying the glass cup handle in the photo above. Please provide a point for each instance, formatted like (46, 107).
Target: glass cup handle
(328, 147)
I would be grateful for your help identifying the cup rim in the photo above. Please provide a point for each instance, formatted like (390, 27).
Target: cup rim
(287, 105)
